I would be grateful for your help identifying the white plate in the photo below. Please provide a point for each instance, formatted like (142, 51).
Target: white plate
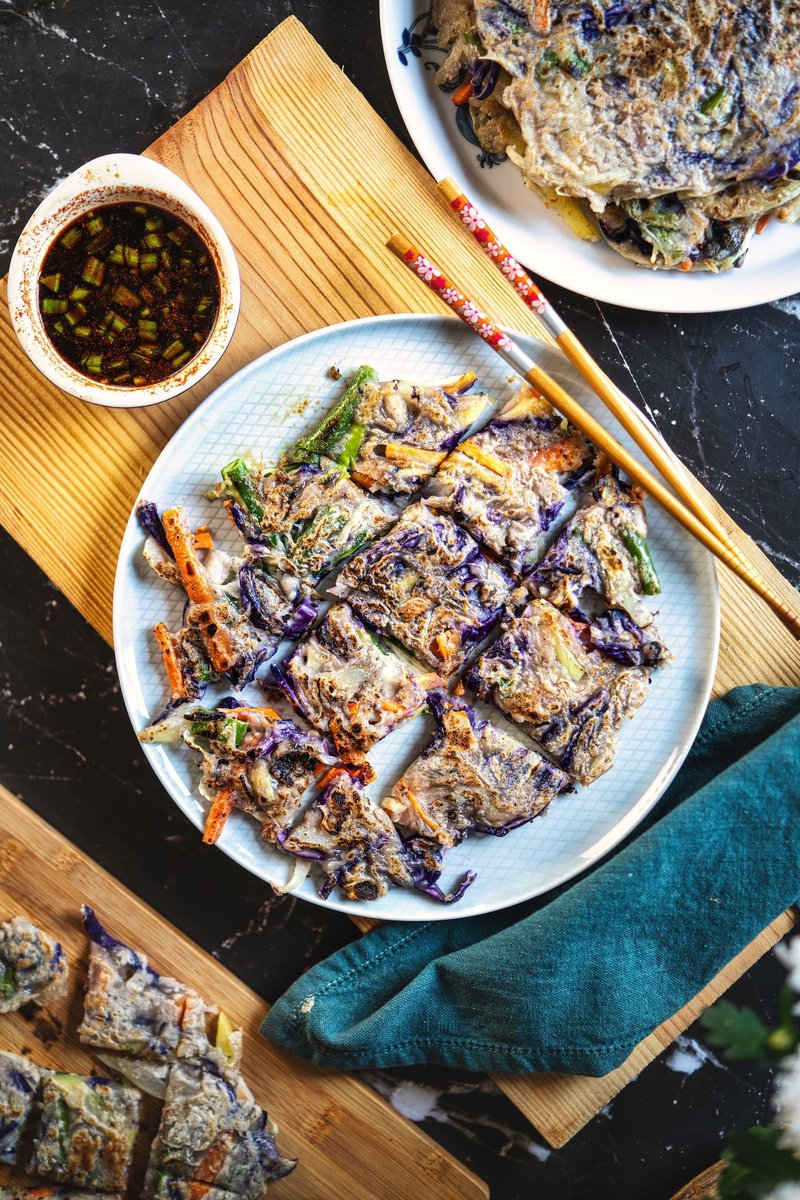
(266, 406)
(537, 236)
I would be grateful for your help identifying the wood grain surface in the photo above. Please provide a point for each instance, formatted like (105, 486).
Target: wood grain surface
(349, 1141)
(309, 227)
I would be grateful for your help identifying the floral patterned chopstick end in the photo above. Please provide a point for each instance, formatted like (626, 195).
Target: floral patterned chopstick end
(491, 245)
(438, 282)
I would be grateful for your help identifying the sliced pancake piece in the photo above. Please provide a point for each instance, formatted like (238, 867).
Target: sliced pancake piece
(427, 584)
(507, 483)
(569, 697)
(256, 761)
(358, 849)
(87, 1132)
(239, 607)
(213, 1133)
(601, 559)
(33, 967)
(310, 516)
(342, 679)
(130, 1009)
(473, 777)
(408, 430)
(20, 1083)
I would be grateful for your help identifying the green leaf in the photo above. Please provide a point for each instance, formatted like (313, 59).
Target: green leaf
(737, 1032)
(755, 1163)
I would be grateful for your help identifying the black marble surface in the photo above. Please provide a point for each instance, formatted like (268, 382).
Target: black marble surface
(78, 79)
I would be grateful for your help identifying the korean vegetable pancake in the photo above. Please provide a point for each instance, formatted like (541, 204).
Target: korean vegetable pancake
(32, 966)
(677, 125)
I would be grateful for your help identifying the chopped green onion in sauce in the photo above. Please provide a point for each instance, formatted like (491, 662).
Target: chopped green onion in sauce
(128, 294)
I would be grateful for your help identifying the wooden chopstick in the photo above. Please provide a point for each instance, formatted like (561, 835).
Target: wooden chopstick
(514, 355)
(629, 417)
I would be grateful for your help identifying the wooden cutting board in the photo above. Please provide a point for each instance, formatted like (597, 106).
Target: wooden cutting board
(350, 1142)
(309, 183)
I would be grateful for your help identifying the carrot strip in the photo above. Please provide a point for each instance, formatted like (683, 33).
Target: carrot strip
(193, 576)
(446, 644)
(362, 480)
(327, 777)
(217, 815)
(686, 265)
(215, 1156)
(485, 458)
(397, 451)
(202, 538)
(762, 222)
(462, 383)
(244, 711)
(392, 706)
(462, 94)
(171, 664)
(565, 455)
(458, 689)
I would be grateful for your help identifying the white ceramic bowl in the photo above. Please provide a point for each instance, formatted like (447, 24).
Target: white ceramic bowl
(116, 178)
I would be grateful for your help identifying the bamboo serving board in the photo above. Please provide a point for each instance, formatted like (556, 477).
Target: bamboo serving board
(349, 1141)
(309, 209)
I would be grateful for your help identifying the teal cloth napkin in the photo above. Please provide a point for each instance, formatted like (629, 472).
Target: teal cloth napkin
(573, 983)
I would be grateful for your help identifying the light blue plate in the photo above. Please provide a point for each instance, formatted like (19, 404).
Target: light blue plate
(264, 408)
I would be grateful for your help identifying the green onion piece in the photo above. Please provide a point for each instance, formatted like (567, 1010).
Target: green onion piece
(203, 305)
(239, 729)
(93, 271)
(568, 660)
(173, 348)
(714, 101)
(199, 728)
(548, 63)
(94, 224)
(71, 237)
(116, 364)
(181, 359)
(166, 261)
(123, 378)
(148, 331)
(640, 553)
(237, 476)
(148, 261)
(106, 321)
(336, 424)
(79, 293)
(198, 337)
(76, 313)
(118, 323)
(58, 326)
(138, 380)
(145, 352)
(82, 331)
(94, 363)
(100, 242)
(153, 223)
(351, 447)
(161, 282)
(7, 985)
(117, 255)
(51, 282)
(145, 312)
(178, 235)
(131, 256)
(575, 66)
(51, 305)
(148, 294)
(140, 210)
(124, 296)
(152, 241)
